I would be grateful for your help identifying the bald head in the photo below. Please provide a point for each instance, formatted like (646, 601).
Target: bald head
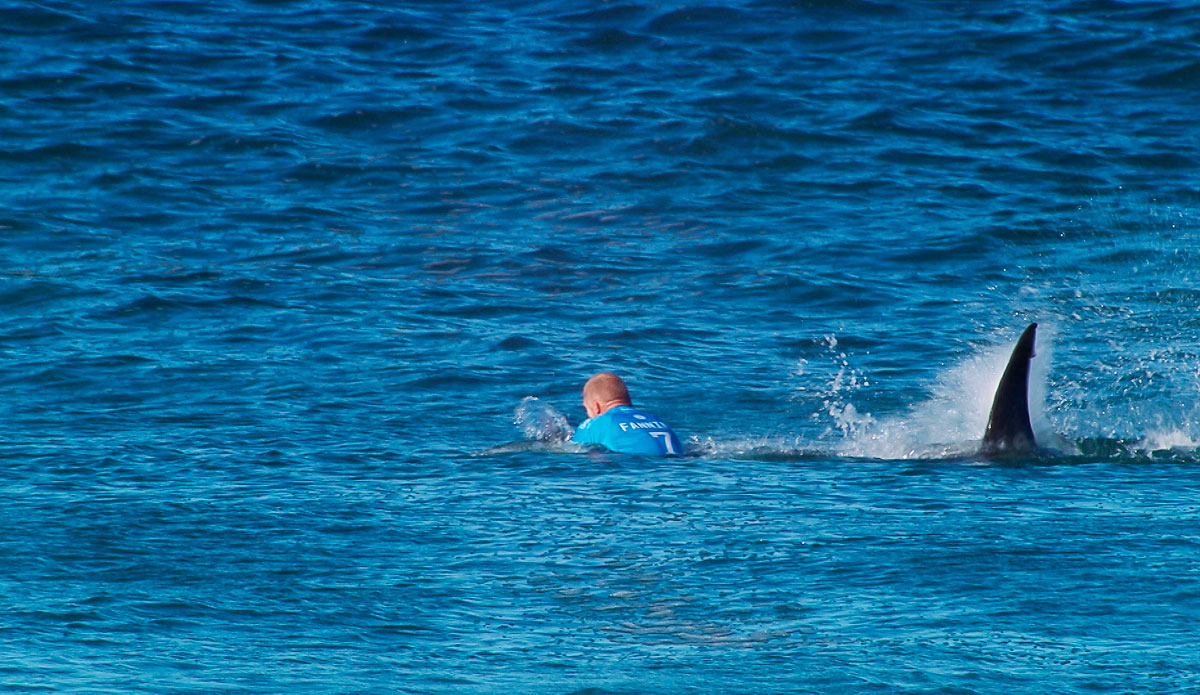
(603, 391)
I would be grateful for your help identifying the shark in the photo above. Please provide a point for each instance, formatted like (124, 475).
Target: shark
(1009, 432)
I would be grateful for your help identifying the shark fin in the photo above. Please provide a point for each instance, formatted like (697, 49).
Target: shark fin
(1009, 430)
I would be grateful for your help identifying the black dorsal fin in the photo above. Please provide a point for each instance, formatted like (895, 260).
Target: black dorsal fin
(1008, 428)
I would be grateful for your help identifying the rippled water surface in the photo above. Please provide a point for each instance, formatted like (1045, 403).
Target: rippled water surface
(297, 298)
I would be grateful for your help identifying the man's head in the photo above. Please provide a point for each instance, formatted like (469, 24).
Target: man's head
(603, 391)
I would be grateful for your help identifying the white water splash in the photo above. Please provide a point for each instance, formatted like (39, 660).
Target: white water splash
(1171, 439)
(952, 420)
(541, 421)
(1151, 397)
(844, 383)
(774, 446)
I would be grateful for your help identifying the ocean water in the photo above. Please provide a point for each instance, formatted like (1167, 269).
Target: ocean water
(297, 297)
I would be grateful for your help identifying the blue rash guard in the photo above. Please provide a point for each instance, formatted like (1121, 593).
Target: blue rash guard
(629, 431)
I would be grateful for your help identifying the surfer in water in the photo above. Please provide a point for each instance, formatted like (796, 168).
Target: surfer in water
(616, 425)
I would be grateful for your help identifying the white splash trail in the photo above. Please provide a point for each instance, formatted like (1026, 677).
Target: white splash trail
(952, 420)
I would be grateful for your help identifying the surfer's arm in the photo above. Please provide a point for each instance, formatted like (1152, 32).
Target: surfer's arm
(586, 433)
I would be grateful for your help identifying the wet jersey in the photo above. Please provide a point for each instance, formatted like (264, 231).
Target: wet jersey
(630, 431)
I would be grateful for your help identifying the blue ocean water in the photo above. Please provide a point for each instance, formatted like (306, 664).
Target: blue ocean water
(297, 294)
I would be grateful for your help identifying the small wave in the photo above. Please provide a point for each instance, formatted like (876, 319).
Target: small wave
(1177, 77)
(689, 20)
(31, 21)
(525, 445)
